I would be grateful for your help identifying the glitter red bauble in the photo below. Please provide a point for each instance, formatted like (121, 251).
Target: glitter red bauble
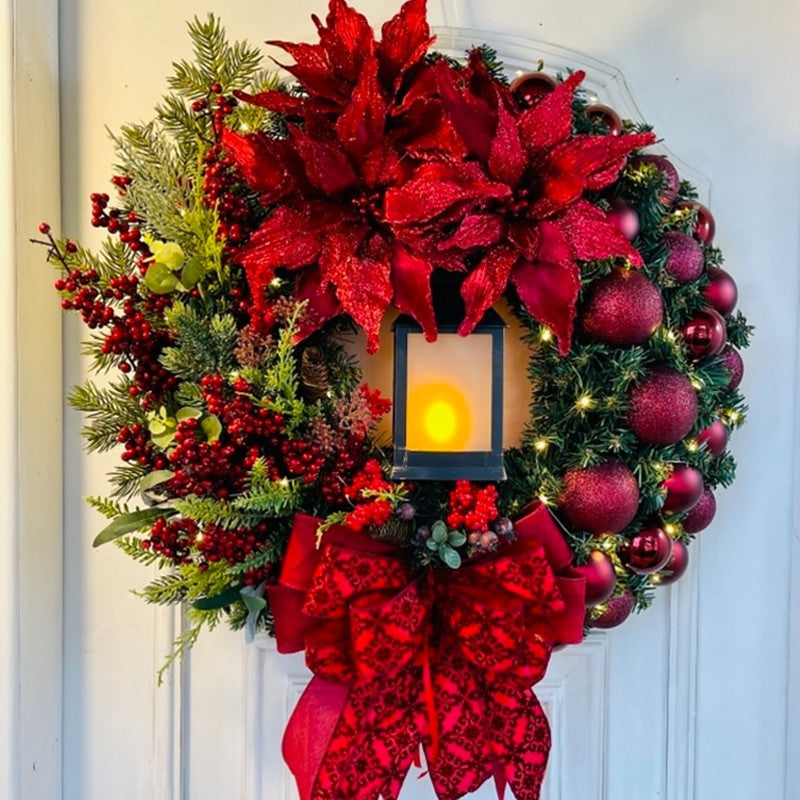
(623, 218)
(601, 578)
(530, 88)
(685, 261)
(704, 227)
(663, 408)
(732, 361)
(674, 568)
(647, 551)
(623, 309)
(721, 291)
(618, 609)
(702, 514)
(672, 181)
(705, 334)
(606, 116)
(714, 437)
(684, 489)
(601, 499)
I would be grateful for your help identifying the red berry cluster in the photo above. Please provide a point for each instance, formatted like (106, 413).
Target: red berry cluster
(347, 455)
(116, 220)
(377, 404)
(302, 459)
(82, 294)
(172, 539)
(219, 544)
(472, 507)
(203, 467)
(368, 510)
(139, 448)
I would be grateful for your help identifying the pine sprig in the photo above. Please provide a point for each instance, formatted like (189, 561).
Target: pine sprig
(107, 409)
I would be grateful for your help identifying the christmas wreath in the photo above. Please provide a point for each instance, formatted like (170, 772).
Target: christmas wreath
(255, 226)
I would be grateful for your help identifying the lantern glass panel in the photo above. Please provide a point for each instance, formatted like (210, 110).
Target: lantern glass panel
(449, 393)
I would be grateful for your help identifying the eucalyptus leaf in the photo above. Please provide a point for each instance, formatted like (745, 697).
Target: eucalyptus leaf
(130, 523)
(163, 439)
(170, 254)
(155, 478)
(253, 601)
(226, 598)
(456, 539)
(450, 557)
(160, 279)
(431, 545)
(212, 427)
(439, 532)
(187, 412)
(193, 272)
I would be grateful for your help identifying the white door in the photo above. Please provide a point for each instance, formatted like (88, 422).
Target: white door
(685, 702)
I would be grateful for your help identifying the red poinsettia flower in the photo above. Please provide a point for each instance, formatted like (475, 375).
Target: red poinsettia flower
(534, 235)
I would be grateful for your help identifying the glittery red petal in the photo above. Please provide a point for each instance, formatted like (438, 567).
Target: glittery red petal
(258, 162)
(484, 285)
(550, 120)
(327, 166)
(593, 237)
(507, 158)
(405, 39)
(361, 124)
(411, 279)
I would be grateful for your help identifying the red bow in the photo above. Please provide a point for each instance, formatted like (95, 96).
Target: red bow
(445, 660)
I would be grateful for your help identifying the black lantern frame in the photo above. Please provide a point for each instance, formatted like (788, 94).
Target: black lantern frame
(477, 465)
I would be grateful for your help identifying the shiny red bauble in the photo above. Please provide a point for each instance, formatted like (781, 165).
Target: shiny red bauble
(663, 408)
(623, 218)
(674, 568)
(704, 227)
(606, 117)
(617, 610)
(623, 308)
(732, 362)
(530, 88)
(647, 551)
(714, 437)
(685, 260)
(705, 334)
(672, 181)
(601, 578)
(684, 489)
(701, 516)
(601, 499)
(721, 291)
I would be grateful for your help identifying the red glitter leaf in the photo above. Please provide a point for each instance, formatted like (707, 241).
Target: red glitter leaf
(405, 40)
(507, 159)
(412, 288)
(550, 120)
(258, 162)
(485, 284)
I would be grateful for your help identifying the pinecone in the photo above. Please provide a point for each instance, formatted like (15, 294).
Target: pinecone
(314, 373)
(394, 530)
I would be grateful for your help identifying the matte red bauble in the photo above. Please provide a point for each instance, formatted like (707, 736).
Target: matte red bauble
(663, 408)
(601, 578)
(721, 291)
(601, 499)
(704, 227)
(672, 181)
(674, 568)
(702, 514)
(714, 437)
(623, 309)
(606, 116)
(732, 361)
(646, 552)
(684, 489)
(685, 260)
(530, 88)
(623, 218)
(705, 334)
(617, 610)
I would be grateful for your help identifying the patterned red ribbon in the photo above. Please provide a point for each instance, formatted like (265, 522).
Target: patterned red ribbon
(445, 660)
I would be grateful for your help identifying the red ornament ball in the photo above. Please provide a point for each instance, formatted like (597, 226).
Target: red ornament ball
(701, 516)
(704, 334)
(606, 117)
(530, 88)
(601, 499)
(674, 568)
(685, 261)
(663, 408)
(623, 309)
(721, 291)
(623, 218)
(704, 227)
(617, 610)
(732, 361)
(601, 578)
(684, 489)
(672, 181)
(714, 437)
(647, 551)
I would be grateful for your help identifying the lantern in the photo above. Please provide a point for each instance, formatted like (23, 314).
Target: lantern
(448, 396)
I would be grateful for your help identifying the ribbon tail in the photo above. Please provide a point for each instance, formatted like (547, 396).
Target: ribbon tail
(500, 782)
(310, 730)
